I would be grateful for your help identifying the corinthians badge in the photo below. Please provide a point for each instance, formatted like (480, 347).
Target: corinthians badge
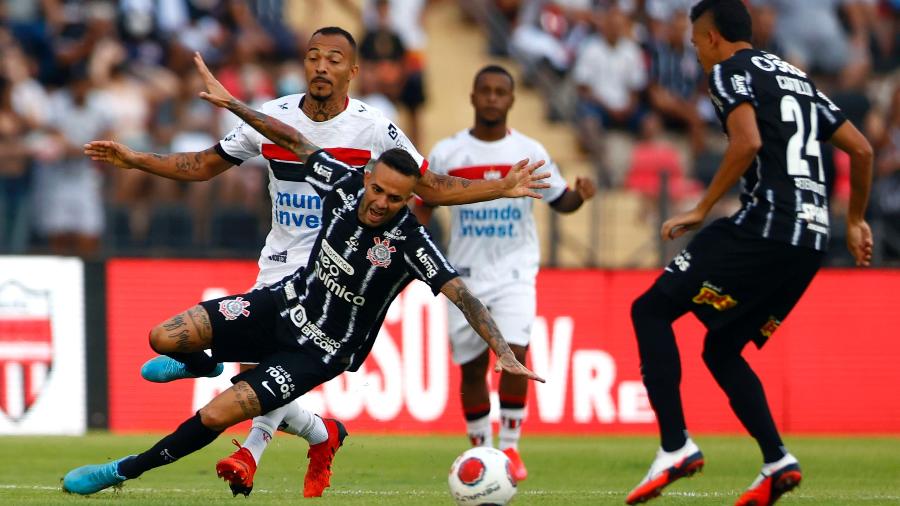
(380, 254)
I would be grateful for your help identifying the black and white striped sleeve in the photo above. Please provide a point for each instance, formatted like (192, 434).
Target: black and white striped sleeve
(830, 116)
(729, 87)
(323, 171)
(426, 262)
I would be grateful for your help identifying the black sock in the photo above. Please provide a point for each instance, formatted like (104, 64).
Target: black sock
(745, 393)
(189, 437)
(652, 315)
(197, 363)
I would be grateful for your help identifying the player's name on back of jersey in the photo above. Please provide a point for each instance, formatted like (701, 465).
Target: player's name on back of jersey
(489, 221)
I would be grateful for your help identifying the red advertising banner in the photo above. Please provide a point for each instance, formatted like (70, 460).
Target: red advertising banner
(830, 368)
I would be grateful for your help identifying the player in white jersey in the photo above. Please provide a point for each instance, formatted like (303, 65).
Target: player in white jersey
(494, 246)
(353, 133)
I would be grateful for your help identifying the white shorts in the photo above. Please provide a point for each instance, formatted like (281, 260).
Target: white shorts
(513, 306)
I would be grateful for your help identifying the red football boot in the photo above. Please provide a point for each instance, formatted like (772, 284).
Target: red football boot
(517, 467)
(666, 468)
(238, 470)
(774, 480)
(321, 455)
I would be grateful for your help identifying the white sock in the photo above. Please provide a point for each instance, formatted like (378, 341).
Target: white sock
(263, 429)
(305, 424)
(479, 431)
(511, 427)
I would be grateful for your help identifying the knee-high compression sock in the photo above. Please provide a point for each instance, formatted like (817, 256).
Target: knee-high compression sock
(745, 394)
(652, 315)
(189, 437)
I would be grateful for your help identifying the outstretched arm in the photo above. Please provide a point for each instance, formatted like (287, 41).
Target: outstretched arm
(520, 181)
(276, 131)
(480, 320)
(197, 166)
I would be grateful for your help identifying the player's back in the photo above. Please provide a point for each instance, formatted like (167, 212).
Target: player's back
(785, 190)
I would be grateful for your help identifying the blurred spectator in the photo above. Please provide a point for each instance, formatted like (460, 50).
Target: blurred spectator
(383, 57)
(14, 161)
(610, 75)
(67, 200)
(764, 23)
(549, 32)
(652, 157)
(811, 36)
(886, 190)
(675, 78)
(404, 18)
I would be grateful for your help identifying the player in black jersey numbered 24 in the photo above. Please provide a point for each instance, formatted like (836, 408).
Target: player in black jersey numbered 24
(742, 275)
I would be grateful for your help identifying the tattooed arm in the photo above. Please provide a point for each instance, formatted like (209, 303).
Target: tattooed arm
(196, 166)
(520, 181)
(480, 320)
(276, 131)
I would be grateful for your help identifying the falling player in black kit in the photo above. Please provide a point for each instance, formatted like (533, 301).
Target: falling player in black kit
(742, 275)
(369, 248)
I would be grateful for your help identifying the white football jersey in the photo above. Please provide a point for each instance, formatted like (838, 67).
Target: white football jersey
(495, 240)
(353, 136)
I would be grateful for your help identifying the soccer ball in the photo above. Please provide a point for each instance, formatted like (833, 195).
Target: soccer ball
(482, 476)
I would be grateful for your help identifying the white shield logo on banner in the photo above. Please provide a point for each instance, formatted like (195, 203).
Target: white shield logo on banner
(26, 347)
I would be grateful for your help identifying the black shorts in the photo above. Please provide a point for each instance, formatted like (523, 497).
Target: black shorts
(729, 276)
(285, 375)
(248, 328)
(244, 326)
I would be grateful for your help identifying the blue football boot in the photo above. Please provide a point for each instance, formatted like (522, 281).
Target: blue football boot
(163, 369)
(93, 478)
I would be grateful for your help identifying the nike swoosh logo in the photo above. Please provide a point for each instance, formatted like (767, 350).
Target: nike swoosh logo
(265, 385)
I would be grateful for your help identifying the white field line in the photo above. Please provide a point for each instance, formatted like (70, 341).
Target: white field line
(434, 493)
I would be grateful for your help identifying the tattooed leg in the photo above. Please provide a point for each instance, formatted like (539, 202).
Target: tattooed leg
(184, 337)
(232, 406)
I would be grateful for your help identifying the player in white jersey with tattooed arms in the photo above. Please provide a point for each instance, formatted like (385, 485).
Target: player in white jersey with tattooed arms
(353, 133)
(494, 246)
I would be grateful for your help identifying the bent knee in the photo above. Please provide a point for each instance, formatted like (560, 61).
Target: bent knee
(157, 339)
(215, 419)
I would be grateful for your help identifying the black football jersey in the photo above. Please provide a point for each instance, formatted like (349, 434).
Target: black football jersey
(784, 195)
(337, 303)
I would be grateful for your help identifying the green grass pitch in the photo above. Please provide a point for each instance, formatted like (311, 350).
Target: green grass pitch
(412, 470)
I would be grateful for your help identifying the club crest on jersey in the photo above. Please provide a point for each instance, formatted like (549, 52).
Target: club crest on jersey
(232, 308)
(380, 254)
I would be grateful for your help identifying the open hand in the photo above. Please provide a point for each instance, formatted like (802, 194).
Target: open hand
(215, 93)
(109, 152)
(507, 362)
(521, 180)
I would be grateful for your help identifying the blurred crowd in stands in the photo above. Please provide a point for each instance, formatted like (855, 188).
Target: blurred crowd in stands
(627, 66)
(77, 70)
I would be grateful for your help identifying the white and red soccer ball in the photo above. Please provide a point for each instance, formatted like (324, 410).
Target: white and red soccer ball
(482, 476)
